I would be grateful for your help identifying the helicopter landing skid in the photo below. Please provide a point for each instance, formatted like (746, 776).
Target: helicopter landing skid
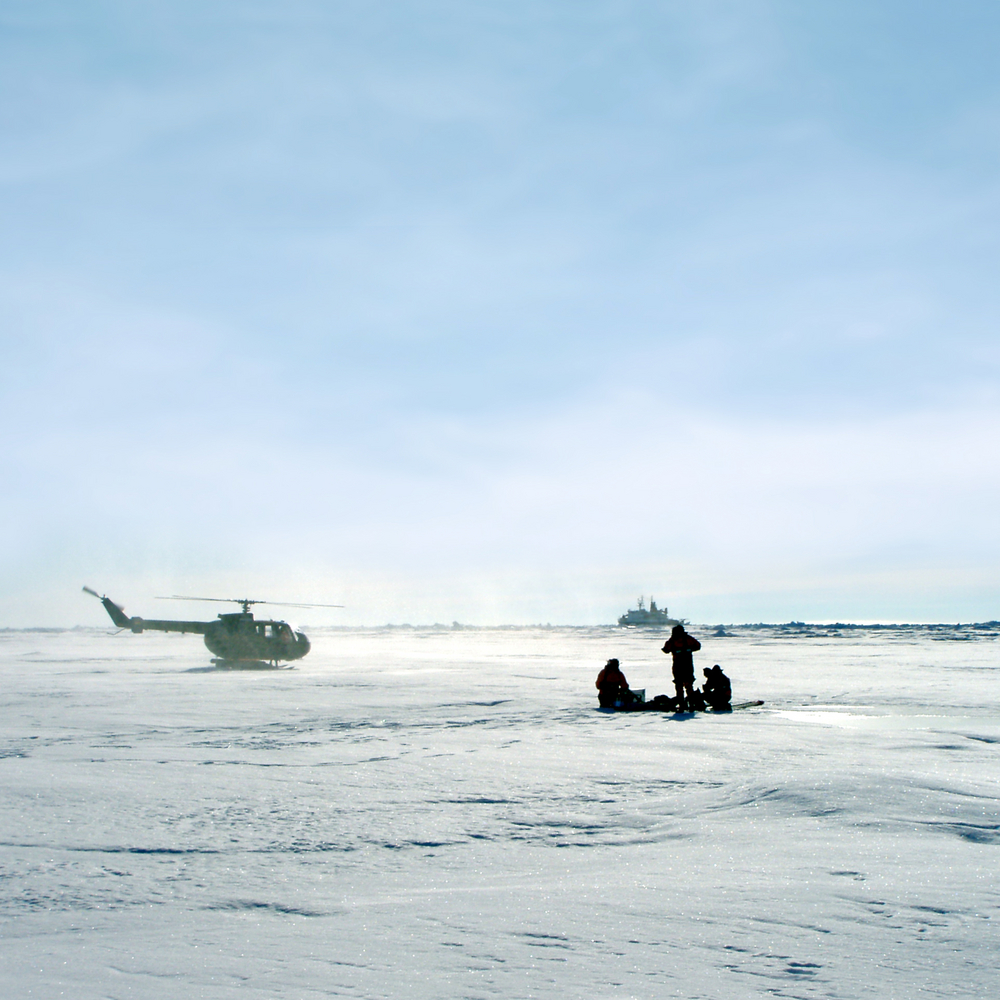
(221, 664)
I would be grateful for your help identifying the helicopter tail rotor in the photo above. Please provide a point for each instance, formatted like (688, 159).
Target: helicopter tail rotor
(116, 612)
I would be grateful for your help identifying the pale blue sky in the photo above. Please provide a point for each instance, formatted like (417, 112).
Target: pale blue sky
(502, 312)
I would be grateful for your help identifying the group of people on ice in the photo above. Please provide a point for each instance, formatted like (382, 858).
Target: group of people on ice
(716, 692)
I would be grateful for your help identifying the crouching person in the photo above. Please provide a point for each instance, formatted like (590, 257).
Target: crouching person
(717, 690)
(612, 687)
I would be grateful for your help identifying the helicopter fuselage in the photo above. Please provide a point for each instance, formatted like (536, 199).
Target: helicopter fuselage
(237, 637)
(240, 637)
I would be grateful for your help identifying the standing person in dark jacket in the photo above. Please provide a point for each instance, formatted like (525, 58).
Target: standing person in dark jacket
(612, 686)
(681, 645)
(717, 689)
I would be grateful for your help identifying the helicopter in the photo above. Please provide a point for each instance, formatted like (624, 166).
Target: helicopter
(237, 639)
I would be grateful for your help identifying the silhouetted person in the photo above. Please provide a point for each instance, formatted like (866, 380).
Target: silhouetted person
(681, 645)
(717, 689)
(612, 686)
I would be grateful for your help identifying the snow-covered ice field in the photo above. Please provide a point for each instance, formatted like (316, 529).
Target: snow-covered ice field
(437, 813)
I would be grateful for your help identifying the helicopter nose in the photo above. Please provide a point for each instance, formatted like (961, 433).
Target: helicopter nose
(301, 640)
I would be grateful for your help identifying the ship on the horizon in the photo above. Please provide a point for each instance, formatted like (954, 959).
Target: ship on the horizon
(652, 617)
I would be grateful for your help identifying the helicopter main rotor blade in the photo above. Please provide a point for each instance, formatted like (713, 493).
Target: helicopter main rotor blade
(217, 600)
(240, 600)
(286, 604)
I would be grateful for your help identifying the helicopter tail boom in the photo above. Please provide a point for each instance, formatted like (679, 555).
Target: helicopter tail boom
(155, 625)
(137, 625)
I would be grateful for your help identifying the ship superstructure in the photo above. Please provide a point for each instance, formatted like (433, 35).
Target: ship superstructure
(651, 617)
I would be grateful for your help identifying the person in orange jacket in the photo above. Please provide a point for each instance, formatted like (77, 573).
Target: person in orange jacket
(612, 686)
(681, 645)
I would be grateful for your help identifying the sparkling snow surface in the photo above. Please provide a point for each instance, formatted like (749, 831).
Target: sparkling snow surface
(445, 814)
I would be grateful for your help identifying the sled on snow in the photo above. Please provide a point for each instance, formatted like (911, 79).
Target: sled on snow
(664, 703)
